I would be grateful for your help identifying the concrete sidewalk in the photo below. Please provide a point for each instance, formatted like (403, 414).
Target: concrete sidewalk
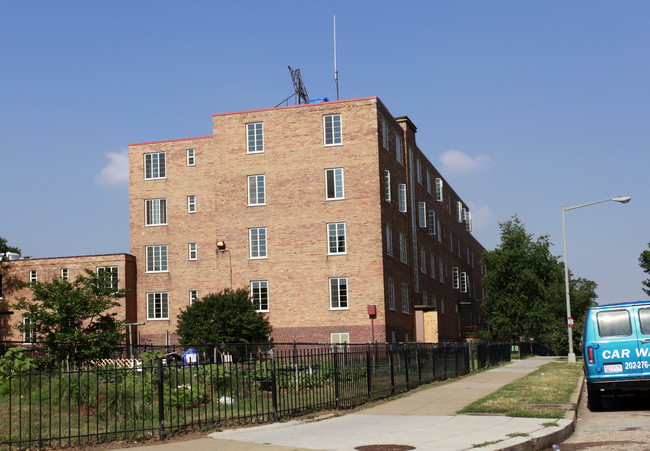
(424, 420)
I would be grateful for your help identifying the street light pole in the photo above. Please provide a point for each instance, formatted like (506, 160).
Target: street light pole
(623, 200)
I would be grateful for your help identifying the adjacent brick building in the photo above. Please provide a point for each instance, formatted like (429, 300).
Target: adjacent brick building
(324, 209)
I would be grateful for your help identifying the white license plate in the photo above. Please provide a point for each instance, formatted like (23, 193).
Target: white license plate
(613, 368)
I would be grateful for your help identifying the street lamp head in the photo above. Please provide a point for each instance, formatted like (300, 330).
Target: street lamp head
(623, 200)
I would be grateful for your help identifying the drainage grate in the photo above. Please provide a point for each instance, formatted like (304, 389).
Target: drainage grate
(384, 447)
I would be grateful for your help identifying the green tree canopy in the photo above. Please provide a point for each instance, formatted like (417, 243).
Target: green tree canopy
(73, 320)
(225, 317)
(644, 263)
(4, 247)
(522, 283)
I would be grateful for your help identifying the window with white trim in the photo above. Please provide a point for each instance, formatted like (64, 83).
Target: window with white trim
(455, 282)
(406, 307)
(338, 293)
(439, 193)
(29, 331)
(33, 276)
(194, 296)
(468, 221)
(463, 282)
(255, 137)
(432, 223)
(158, 305)
(399, 150)
(157, 258)
(257, 189)
(403, 249)
(257, 239)
(384, 134)
(339, 337)
(401, 197)
(389, 240)
(332, 129)
(191, 161)
(110, 275)
(65, 275)
(391, 294)
(192, 252)
(334, 185)
(154, 166)
(155, 211)
(191, 203)
(439, 231)
(260, 295)
(459, 212)
(336, 238)
(387, 193)
(422, 215)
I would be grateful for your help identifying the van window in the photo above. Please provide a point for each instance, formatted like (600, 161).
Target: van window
(614, 323)
(644, 320)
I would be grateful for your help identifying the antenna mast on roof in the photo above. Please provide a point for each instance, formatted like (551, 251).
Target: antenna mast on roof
(336, 72)
(300, 91)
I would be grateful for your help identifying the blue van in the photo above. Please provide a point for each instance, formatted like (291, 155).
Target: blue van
(616, 349)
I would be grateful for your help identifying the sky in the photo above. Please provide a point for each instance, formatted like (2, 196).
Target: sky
(523, 106)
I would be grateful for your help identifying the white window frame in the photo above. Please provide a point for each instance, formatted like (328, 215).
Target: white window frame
(401, 197)
(455, 278)
(157, 258)
(389, 240)
(403, 249)
(155, 212)
(194, 296)
(422, 215)
(391, 294)
(432, 223)
(332, 132)
(255, 137)
(192, 251)
(65, 276)
(406, 306)
(459, 212)
(257, 239)
(158, 304)
(155, 166)
(337, 184)
(463, 282)
(191, 203)
(33, 276)
(336, 230)
(115, 275)
(387, 193)
(439, 189)
(256, 190)
(191, 157)
(29, 335)
(338, 297)
(260, 295)
(468, 221)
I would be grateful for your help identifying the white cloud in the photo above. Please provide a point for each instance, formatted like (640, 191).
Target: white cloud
(457, 162)
(117, 170)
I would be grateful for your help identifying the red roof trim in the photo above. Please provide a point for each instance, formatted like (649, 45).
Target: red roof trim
(296, 106)
(170, 140)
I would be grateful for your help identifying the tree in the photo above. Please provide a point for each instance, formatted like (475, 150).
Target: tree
(4, 247)
(73, 320)
(644, 263)
(522, 284)
(225, 317)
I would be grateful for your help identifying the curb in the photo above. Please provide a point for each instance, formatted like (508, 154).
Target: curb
(558, 436)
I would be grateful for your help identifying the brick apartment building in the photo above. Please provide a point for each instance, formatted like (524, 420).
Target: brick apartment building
(324, 209)
(121, 267)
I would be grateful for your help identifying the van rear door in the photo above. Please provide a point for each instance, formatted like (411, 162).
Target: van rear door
(643, 317)
(616, 354)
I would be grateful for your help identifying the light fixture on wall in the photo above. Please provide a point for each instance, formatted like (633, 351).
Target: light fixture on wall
(221, 247)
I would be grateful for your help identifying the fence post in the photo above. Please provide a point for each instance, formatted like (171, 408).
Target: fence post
(274, 387)
(336, 377)
(368, 371)
(391, 359)
(161, 401)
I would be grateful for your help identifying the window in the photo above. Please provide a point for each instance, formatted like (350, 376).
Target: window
(439, 184)
(109, 275)
(334, 183)
(65, 274)
(194, 296)
(423, 261)
(432, 223)
(399, 151)
(190, 157)
(439, 231)
(29, 331)
(339, 337)
(425, 298)
(256, 190)
(391, 294)
(401, 200)
(389, 240)
(644, 320)
(255, 136)
(442, 305)
(434, 301)
(338, 293)
(459, 211)
(441, 271)
(258, 242)
(157, 258)
(432, 266)
(154, 166)
(428, 182)
(418, 168)
(33, 276)
(455, 282)
(336, 237)
(155, 212)
(332, 124)
(403, 252)
(463, 282)
(192, 251)
(260, 295)
(384, 134)
(387, 186)
(614, 323)
(158, 305)
(468, 221)
(405, 298)
(191, 204)
(422, 214)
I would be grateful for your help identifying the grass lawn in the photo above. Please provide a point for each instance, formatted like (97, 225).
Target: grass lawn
(541, 394)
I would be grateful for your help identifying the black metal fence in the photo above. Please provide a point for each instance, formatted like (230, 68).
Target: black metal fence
(208, 387)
